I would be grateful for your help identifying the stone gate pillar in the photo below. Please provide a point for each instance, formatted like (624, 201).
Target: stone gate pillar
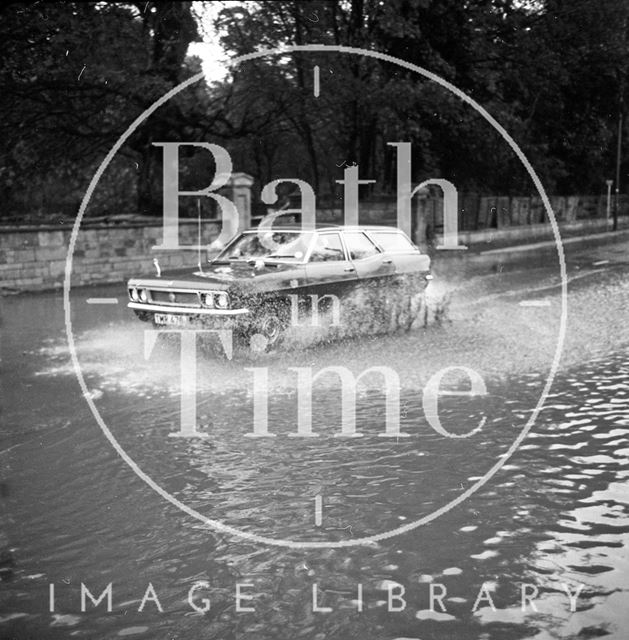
(239, 192)
(420, 232)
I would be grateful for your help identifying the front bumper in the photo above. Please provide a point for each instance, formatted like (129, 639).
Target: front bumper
(192, 317)
(150, 307)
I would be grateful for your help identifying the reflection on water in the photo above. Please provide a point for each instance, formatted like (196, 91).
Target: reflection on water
(555, 517)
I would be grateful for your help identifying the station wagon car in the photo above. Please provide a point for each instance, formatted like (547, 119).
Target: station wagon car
(267, 279)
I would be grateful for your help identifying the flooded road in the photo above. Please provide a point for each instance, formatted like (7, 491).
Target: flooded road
(554, 518)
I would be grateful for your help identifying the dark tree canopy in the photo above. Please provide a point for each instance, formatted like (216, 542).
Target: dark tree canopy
(550, 71)
(75, 75)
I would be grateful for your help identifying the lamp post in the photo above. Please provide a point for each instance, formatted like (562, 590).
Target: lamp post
(618, 155)
(609, 201)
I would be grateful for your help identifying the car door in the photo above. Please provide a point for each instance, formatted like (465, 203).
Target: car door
(405, 255)
(328, 270)
(368, 260)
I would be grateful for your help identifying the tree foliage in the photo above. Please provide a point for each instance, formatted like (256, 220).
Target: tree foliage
(550, 71)
(75, 75)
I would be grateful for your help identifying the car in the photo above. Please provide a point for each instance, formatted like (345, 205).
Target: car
(267, 279)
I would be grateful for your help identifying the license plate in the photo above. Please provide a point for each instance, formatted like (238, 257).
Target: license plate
(171, 319)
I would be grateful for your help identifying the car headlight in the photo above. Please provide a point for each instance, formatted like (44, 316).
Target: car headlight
(207, 299)
(144, 295)
(221, 300)
(133, 294)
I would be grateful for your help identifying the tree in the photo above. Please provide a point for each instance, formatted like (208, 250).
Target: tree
(550, 71)
(75, 75)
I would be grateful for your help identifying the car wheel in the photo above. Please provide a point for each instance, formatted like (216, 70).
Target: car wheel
(268, 331)
(413, 302)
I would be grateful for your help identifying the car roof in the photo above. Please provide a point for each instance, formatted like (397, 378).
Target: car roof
(330, 227)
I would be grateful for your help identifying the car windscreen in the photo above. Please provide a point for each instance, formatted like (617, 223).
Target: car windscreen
(266, 244)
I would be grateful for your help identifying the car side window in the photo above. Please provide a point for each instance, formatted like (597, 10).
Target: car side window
(393, 242)
(359, 245)
(328, 247)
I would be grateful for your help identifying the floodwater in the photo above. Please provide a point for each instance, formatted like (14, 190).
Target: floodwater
(554, 517)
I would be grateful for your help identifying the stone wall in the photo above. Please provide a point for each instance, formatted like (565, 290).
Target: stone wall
(480, 216)
(36, 259)
(498, 212)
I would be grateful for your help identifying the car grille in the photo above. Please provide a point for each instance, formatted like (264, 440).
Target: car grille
(175, 298)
